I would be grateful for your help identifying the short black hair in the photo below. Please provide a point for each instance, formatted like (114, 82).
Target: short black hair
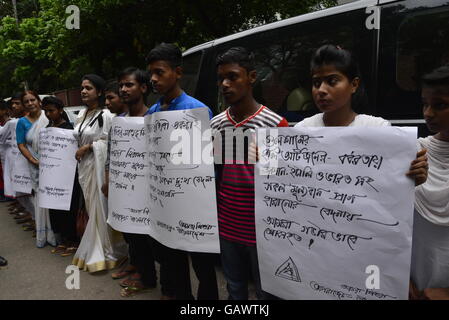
(343, 60)
(50, 100)
(3, 105)
(238, 55)
(112, 86)
(141, 76)
(438, 77)
(16, 96)
(166, 52)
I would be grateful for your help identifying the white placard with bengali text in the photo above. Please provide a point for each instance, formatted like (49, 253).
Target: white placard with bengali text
(11, 153)
(57, 167)
(182, 180)
(20, 173)
(334, 212)
(128, 203)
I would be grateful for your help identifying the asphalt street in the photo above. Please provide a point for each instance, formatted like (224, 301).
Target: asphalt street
(37, 274)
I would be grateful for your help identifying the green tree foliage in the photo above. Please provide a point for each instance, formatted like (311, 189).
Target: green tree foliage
(114, 34)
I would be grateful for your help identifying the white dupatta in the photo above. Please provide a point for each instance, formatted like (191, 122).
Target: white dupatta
(432, 197)
(101, 247)
(44, 232)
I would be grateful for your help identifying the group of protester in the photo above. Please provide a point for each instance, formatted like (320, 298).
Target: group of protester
(336, 91)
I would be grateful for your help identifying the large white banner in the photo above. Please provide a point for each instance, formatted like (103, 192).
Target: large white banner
(10, 154)
(57, 166)
(334, 212)
(128, 200)
(182, 180)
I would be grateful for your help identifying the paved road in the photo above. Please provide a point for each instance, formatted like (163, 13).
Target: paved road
(34, 273)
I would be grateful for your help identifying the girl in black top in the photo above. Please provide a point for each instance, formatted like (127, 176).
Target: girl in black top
(54, 111)
(63, 222)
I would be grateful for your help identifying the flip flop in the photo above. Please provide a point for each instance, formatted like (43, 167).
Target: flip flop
(129, 282)
(29, 228)
(132, 291)
(59, 249)
(69, 251)
(123, 273)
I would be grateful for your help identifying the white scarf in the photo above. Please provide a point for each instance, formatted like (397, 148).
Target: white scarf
(33, 134)
(432, 197)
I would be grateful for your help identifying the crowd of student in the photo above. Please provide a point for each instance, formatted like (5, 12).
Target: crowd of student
(83, 231)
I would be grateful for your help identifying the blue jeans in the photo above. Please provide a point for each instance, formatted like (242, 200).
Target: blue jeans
(236, 259)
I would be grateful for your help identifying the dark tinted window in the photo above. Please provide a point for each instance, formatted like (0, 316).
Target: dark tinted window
(414, 41)
(191, 65)
(283, 60)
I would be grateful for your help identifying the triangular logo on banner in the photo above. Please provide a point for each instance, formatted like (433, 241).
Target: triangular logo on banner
(288, 270)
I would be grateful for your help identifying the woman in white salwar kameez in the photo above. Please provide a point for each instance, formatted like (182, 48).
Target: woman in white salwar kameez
(430, 249)
(12, 153)
(27, 135)
(101, 247)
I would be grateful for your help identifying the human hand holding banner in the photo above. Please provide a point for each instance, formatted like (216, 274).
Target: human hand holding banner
(332, 203)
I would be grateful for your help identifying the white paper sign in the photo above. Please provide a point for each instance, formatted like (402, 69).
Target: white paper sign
(334, 218)
(128, 202)
(11, 152)
(182, 180)
(20, 173)
(57, 166)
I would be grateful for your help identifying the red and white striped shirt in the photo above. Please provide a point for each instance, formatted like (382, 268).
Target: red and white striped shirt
(235, 189)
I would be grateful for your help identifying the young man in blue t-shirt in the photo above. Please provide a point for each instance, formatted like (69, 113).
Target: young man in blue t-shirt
(165, 67)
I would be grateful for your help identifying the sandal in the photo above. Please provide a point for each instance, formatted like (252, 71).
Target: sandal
(59, 249)
(24, 219)
(137, 288)
(28, 227)
(131, 280)
(127, 271)
(69, 251)
(20, 215)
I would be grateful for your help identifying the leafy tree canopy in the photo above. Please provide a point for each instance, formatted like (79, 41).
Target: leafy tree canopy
(115, 34)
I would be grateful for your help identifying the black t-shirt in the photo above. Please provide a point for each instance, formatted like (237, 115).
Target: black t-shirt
(64, 125)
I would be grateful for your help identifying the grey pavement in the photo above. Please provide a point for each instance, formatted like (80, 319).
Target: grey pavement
(34, 273)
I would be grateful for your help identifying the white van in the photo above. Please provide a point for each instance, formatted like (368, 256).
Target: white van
(396, 43)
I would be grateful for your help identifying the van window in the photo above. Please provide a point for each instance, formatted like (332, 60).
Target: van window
(191, 65)
(423, 45)
(283, 60)
(414, 40)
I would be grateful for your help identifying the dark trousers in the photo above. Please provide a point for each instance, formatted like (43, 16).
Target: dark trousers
(204, 267)
(142, 257)
(175, 273)
(240, 263)
(64, 222)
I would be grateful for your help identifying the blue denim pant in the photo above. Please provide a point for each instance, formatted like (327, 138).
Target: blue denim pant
(238, 262)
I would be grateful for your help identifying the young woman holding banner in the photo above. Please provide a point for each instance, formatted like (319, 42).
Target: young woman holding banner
(24, 207)
(4, 118)
(63, 222)
(27, 135)
(338, 93)
(101, 247)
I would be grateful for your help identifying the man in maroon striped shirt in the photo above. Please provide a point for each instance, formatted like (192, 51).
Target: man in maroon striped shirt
(235, 177)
